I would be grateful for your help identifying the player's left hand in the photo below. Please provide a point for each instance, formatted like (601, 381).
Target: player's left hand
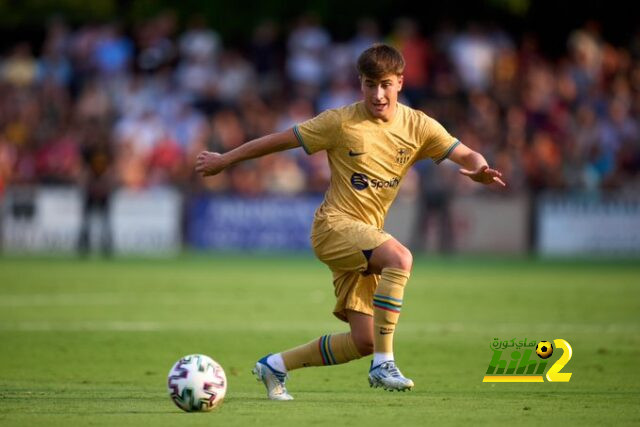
(210, 163)
(484, 175)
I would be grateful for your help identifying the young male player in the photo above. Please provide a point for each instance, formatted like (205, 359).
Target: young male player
(370, 145)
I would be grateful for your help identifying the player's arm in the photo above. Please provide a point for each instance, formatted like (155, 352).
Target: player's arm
(209, 163)
(475, 166)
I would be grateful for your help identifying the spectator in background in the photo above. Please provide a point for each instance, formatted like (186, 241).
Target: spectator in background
(93, 103)
(165, 162)
(619, 139)
(585, 49)
(155, 40)
(246, 180)
(196, 77)
(473, 55)
(112, 52)
(543, 163)
(57, 159)
(187, 127)
(434, 207)
(58, 38)
(54, 67)
(258, 116)
(227, 131)
(407, 39)
(133, 97)
(575, 117)
(199, 42)
(197, 69)
(514, 143)
(81, 48)
(307, 48)
(235, 78)
(135, 140)
(98, 181)
(267, 58)
(20, 68)
(282, 175)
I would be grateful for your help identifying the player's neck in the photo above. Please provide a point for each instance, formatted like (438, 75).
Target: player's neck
(383, 118)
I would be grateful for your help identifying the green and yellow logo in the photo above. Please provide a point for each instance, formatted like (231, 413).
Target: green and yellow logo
(515, 362)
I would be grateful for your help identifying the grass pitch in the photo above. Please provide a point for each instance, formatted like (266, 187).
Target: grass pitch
(91, 342)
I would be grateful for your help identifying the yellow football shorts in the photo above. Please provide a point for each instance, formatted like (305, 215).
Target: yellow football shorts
(340, 242)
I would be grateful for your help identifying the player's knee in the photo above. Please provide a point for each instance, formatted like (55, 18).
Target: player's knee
(402, 258)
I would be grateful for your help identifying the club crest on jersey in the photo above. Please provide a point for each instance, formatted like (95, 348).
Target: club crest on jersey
(403, 155)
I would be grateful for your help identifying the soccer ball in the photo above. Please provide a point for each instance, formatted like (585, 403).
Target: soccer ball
(544, 349)
(197, 383)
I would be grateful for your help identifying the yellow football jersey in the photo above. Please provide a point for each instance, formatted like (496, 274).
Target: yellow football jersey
(369, 157)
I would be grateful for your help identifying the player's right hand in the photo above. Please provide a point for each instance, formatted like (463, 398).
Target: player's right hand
(209, 163)
(484, 175)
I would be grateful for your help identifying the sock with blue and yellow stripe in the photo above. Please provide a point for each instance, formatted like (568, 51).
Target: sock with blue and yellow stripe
(327, 350)
(387, 303)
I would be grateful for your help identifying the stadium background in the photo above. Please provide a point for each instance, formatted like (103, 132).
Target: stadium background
(115, 98)
(112, 99)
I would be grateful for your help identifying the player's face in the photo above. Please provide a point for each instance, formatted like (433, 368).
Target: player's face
(381, 95)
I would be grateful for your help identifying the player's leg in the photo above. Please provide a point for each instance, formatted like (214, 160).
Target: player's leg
(361, 325)
(330, 349)
(393, 262)
(334, 349)
(327, 350)
(390, 254)
(344, 247)
(370, 249)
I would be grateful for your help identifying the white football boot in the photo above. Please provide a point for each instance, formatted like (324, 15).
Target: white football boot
(273, 380)
(389, 377)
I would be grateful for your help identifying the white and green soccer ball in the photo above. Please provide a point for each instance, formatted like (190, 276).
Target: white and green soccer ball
(197, 383)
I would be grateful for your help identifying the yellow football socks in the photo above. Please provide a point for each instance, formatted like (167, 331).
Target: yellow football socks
(327, 350)
(387, 302)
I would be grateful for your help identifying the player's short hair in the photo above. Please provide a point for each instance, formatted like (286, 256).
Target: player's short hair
(380, 60)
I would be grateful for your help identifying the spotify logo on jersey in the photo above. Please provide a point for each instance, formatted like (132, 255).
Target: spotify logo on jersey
(359, 181)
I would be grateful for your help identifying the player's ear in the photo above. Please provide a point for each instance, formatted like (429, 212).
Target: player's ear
(400, 81)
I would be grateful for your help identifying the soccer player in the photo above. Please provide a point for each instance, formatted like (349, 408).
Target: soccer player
(370, 145)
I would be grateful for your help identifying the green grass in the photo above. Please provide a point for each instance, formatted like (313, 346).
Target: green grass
(91, 342)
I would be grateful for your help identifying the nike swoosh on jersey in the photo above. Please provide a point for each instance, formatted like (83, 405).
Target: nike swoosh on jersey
(353, 154)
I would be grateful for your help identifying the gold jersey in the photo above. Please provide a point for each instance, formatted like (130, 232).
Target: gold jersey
(369, 157)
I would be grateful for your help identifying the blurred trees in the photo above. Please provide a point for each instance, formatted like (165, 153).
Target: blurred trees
(552, 20)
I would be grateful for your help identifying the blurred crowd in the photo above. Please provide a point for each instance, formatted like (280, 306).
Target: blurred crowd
(104, 106)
